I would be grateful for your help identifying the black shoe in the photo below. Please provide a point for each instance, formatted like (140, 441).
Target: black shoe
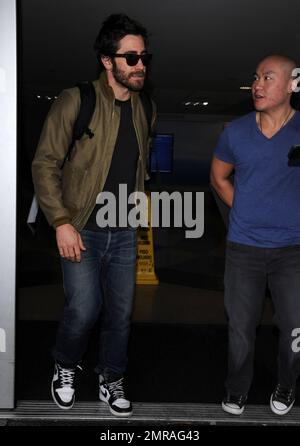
(234, 404)
(113, 394)
(62, 388)
(282, 400)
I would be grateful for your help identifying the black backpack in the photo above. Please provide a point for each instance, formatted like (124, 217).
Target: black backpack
(87, 107)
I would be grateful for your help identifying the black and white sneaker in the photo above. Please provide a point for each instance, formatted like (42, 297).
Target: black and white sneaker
(282, 400)
(62, 387)
(112, 393)
(234, 404)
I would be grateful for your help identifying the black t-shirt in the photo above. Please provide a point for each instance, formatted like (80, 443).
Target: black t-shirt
(123, 165)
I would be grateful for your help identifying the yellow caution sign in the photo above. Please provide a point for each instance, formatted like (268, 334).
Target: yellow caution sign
(145, 271)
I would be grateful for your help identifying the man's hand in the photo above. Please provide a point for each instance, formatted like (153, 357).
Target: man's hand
(69, 242)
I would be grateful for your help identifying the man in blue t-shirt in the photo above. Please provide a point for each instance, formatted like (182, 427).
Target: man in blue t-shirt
(263, 247)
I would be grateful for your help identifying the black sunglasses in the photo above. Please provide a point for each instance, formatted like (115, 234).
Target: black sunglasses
(132, 59)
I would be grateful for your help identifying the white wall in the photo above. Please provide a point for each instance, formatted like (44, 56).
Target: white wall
(7, 200)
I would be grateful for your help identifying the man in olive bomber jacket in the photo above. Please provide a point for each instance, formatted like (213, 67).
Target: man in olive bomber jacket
(98, 261)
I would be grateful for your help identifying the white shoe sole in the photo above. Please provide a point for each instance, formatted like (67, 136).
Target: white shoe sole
(112, 411)
(277, 411)
(232, 410)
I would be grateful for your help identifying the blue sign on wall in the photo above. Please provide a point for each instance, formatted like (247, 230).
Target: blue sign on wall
(162, 153)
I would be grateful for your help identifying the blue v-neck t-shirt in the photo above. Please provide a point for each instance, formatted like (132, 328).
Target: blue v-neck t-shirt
(266, 205)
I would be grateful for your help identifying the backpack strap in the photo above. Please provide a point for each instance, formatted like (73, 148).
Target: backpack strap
(87, 107)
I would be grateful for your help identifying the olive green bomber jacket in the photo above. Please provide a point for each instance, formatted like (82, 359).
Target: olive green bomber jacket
(68, 194)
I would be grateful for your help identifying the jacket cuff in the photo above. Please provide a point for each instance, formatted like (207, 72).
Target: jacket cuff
(61, 221)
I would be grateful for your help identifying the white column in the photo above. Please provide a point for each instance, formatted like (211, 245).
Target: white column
(8, 153)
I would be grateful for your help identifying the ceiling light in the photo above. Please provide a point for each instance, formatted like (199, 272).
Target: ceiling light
(245, 88)
(204, 103)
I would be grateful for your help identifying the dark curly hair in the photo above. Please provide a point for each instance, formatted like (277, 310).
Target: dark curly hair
(113, 29)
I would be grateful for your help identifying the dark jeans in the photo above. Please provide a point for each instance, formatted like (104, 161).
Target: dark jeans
(248, 271)
(103, 280)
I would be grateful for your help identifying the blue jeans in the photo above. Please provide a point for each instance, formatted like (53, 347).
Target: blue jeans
(248, 271)
(104, 281)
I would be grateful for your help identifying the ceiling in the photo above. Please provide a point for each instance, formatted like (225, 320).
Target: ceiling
(203, 49)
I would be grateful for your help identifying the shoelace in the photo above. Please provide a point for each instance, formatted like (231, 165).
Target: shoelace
(241, 400)
(66, 376)
(116, 388)
(283, 395)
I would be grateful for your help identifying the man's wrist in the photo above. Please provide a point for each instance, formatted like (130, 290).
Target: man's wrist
(61, 222)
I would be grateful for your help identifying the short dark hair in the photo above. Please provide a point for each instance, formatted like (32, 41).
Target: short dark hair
(113, 29)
